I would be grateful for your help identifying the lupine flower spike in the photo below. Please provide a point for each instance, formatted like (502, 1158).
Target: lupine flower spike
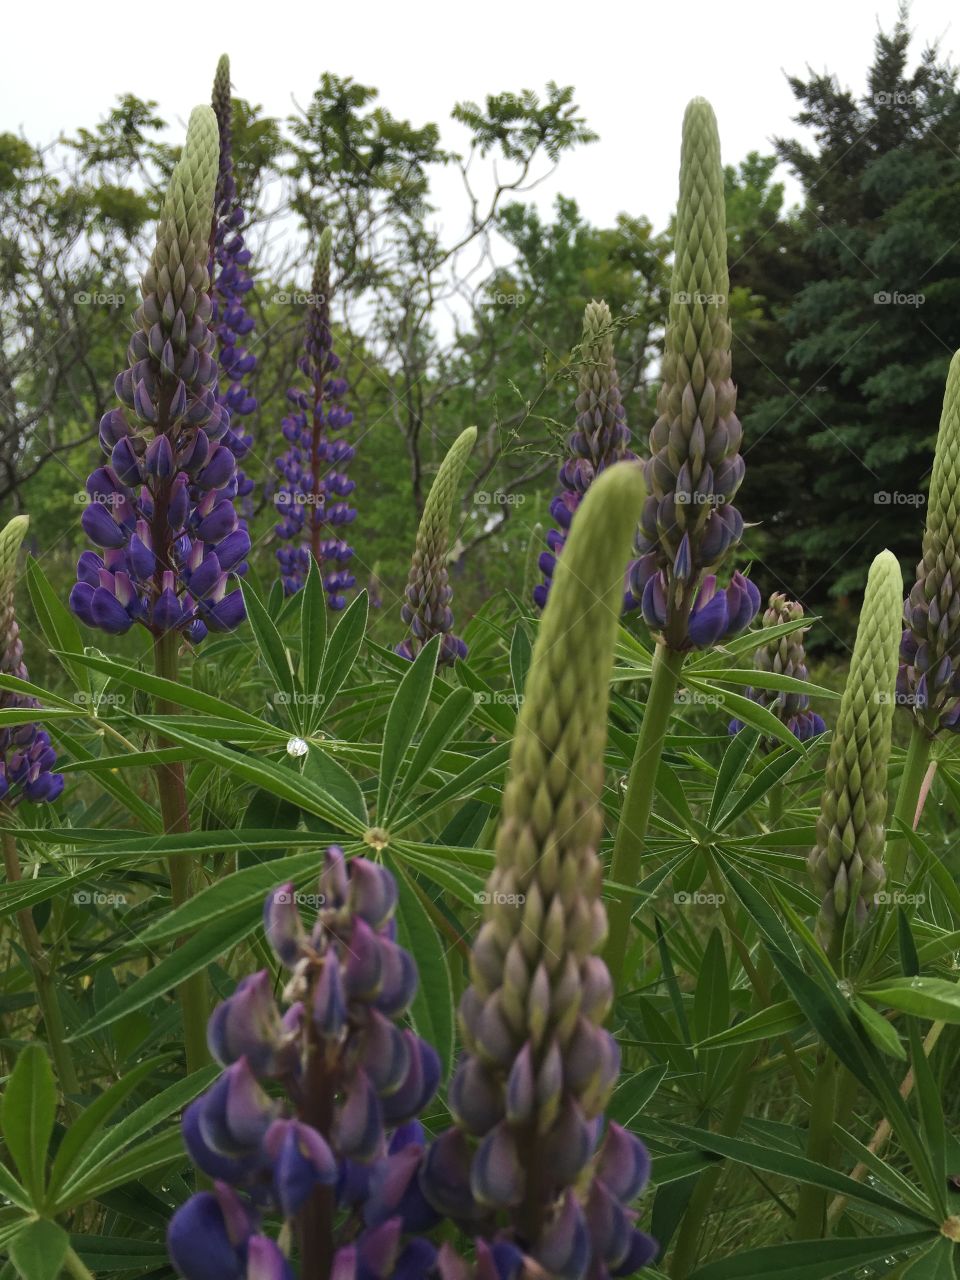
(230, 283)
(162, 509)
(26, 757)
(689, 522)
(311, 498)
(531, 1167)
(929, 679)
(847, 860)
(426, 607)
(784, 656)
(346, 1084)
(599, 439)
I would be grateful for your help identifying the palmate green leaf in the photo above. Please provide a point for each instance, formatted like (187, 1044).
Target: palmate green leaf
(114, 786)
(775, 1020)
(934, 998)
(336, 780)
(743, 708)
(271, 646)
(12, 1190)
(272, 777)
(735, 760)
(633, 1093)
(343, 649)
(58, 624)
(941, 1261)
(243, 889)
(403, 720)
(880, 1031)
(465, 885)
(810, 1259)
(765, 679)
(191, 957)
(932, 1121)
(120, 1254)
(30, 690)
(758, 908)
(711, 995)
(787, 1165)
(163, 1149)
(313, 635)
(82, 1131)
(491, 764)
(116, 1139)
(27, 1115)
(38, 1251)
(774, 771)
(521, 654)
(447, 721)
(432, 1009)
(181, 695)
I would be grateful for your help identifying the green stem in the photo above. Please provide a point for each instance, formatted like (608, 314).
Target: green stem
(171, 787)
(914, 769)
(75, 1267)
(631, 834)
(43, 980)
(812, 1201)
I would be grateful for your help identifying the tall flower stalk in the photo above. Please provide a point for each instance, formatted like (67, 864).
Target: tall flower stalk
(929, 678)
(846, 862)
(599, 439)
(230, 283)
(27, 772)
(312, 497)
(529, 1164)
(346, 1083)
(426, 606)
(689, 523)
(162, 509)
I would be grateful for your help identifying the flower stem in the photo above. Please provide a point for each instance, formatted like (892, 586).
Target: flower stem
(43, 979)
(171, 787)
(914, 769)
(631, 834)
(74, 1267)
(812, 1201)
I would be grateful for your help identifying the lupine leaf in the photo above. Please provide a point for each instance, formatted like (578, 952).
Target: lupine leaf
(809, 1259)
(28, 1112)
(39, 1250)
(403, 719)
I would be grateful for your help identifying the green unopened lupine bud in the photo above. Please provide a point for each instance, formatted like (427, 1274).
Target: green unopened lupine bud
(695, 469)
(847, 860)
(11, 646)
(426, 607)
(929, 679)
(539, 1065)
(178, 271)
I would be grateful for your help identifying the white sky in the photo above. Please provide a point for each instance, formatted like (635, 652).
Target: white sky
(634, 65)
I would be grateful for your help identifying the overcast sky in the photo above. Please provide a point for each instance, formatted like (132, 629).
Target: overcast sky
(634, 65)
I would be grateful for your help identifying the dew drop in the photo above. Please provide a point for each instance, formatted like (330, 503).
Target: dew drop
(296, 747)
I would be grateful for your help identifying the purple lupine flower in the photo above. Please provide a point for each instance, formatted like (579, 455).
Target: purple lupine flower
(230, 283)
(162, 509)
(314, 487)
(600, 438)
(784, 655)
(316, 1106)
(26, 757)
